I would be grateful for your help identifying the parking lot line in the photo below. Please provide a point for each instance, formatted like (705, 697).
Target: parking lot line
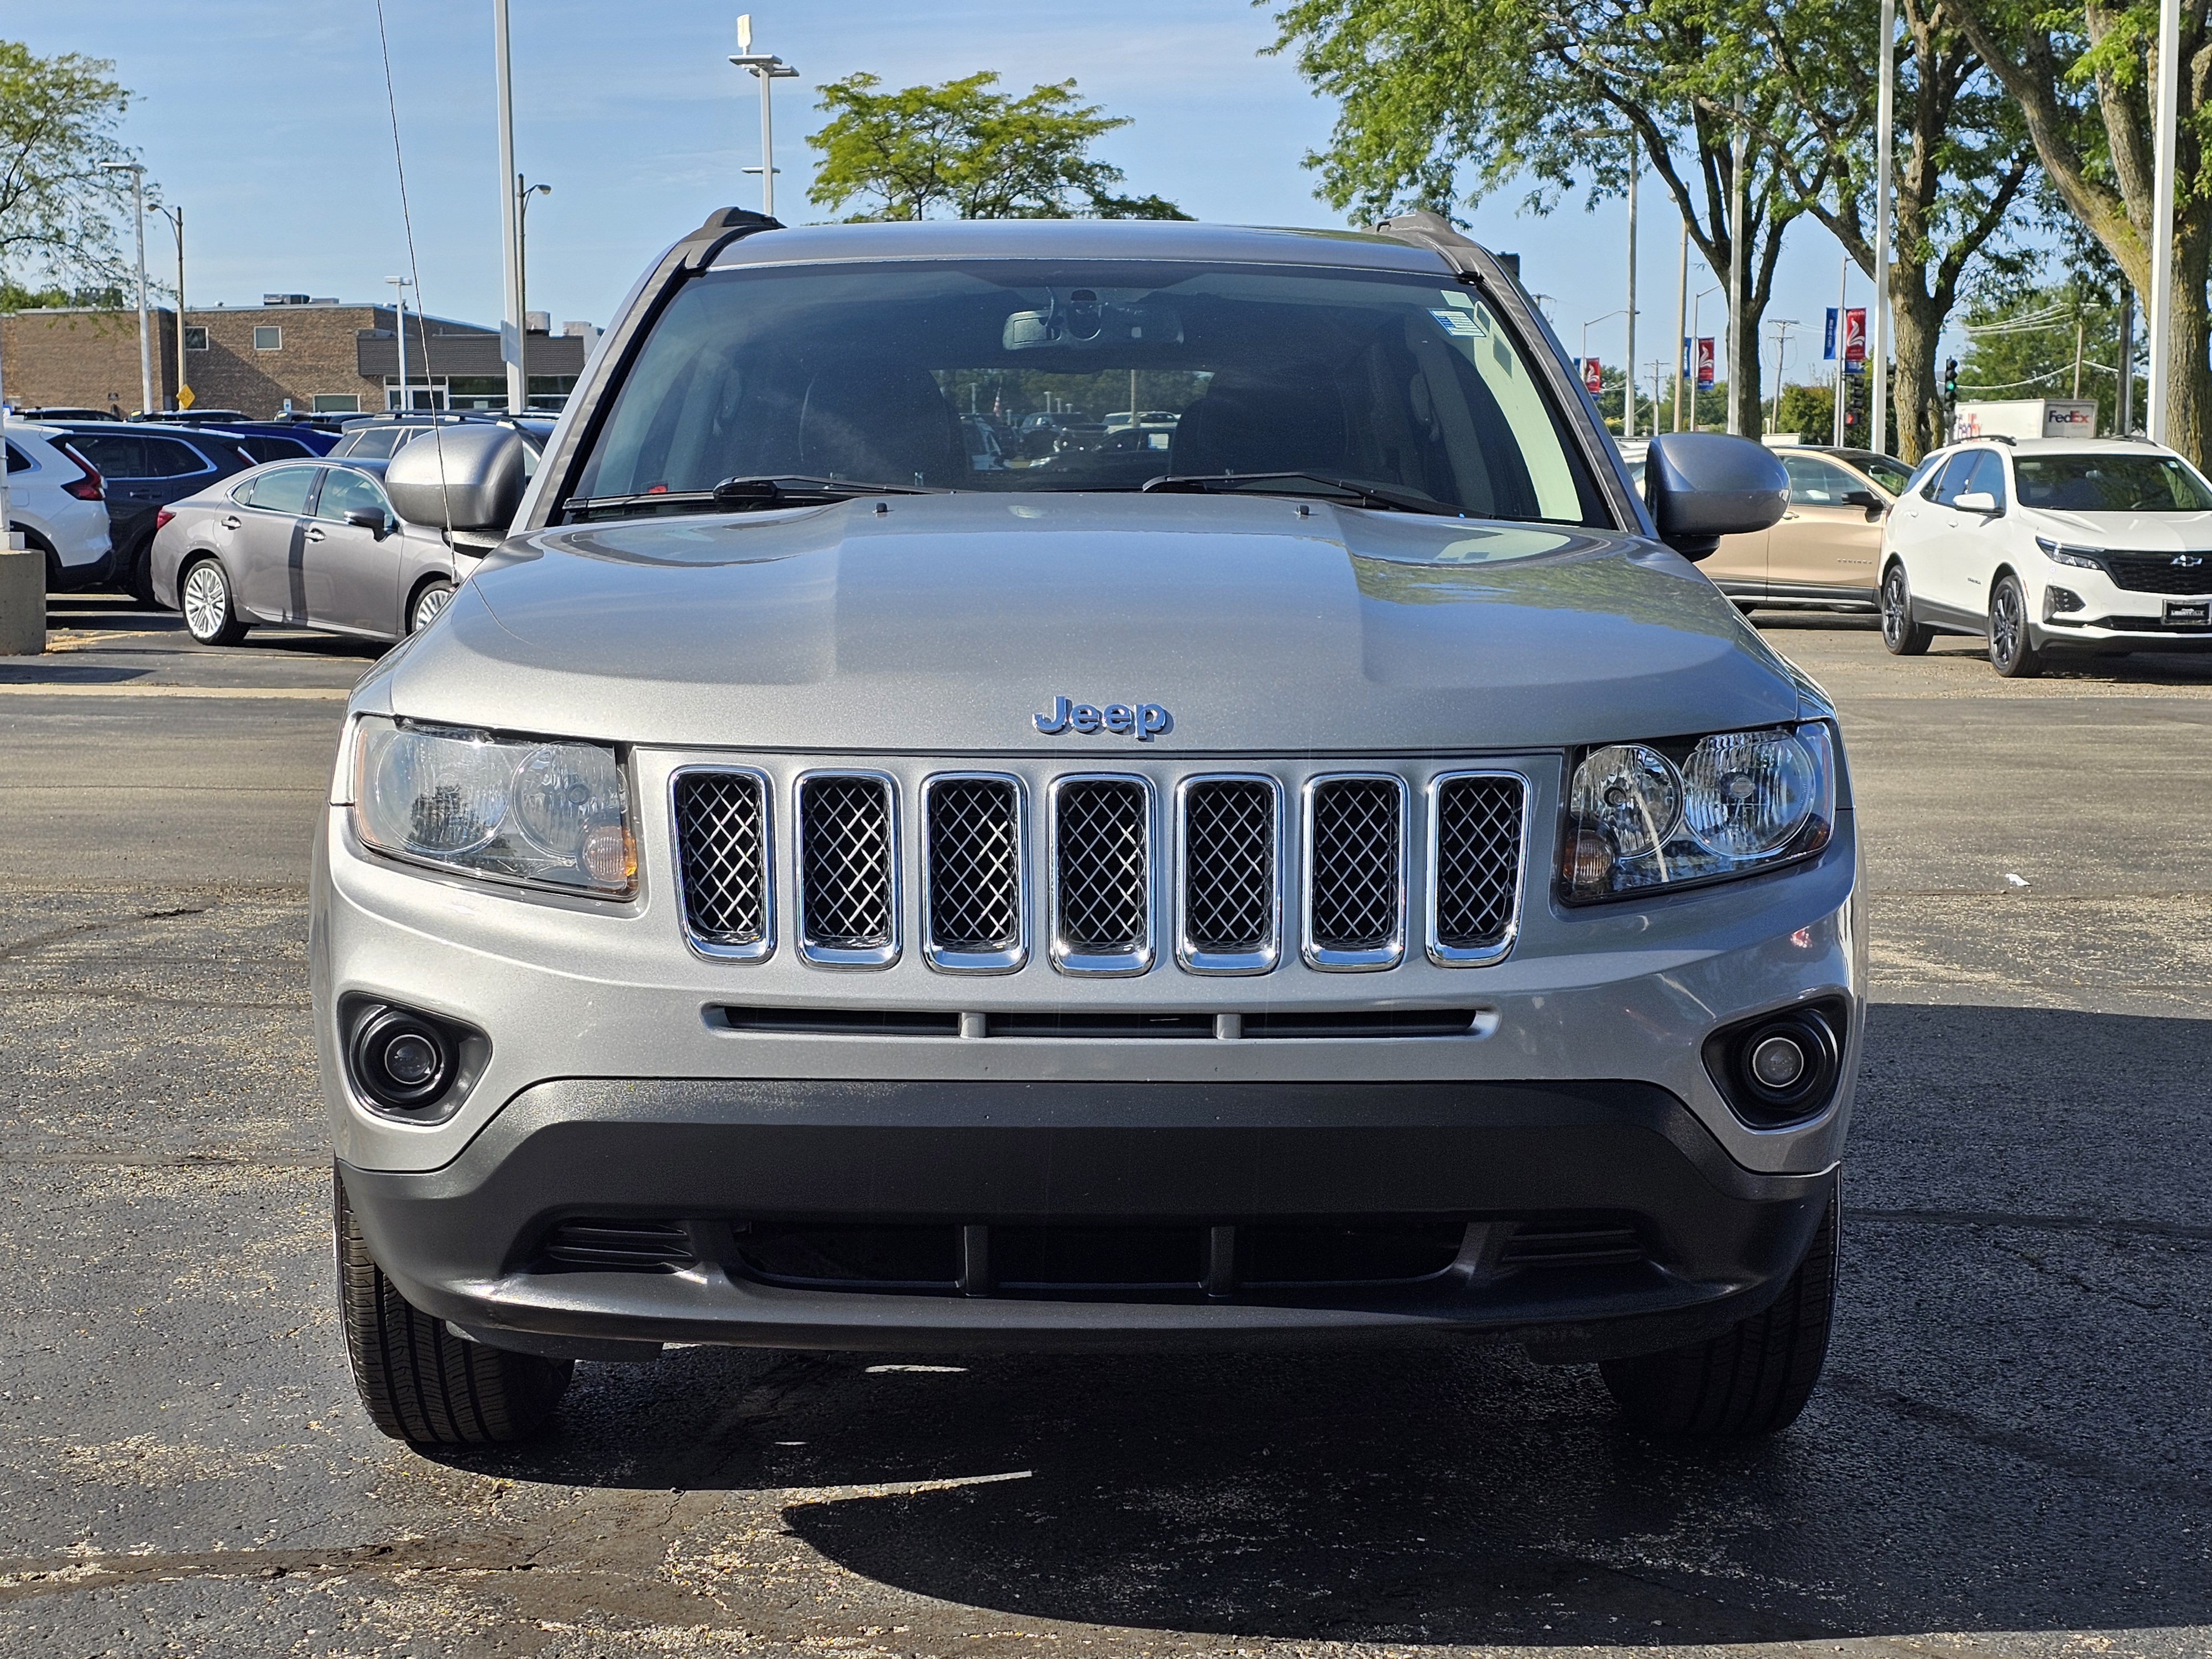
(252, 693)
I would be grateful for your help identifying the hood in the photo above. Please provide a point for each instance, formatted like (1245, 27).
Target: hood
(2131, 532)
(946, 624)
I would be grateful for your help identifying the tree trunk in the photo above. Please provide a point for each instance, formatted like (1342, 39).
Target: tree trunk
(1746, 395)
(1918, 322)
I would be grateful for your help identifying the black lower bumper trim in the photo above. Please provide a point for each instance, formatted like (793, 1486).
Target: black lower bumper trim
(1163, 1194)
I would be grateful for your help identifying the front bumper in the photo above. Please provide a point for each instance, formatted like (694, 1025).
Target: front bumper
(1583, 1220)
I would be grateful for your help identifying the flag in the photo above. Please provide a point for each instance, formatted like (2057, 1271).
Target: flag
(1706, 363)
(1854, 335)
(1593, 376)
(1687, 344)
(1828, 350)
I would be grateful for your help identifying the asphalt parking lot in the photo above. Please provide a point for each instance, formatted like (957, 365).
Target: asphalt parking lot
(2012, 1452)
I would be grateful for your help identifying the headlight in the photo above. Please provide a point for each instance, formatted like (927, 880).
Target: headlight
(2081, 558)
(1646, 815)
(535, 811)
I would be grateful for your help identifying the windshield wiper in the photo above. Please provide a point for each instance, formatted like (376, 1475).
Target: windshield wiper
(738, 494)
(1366, 494)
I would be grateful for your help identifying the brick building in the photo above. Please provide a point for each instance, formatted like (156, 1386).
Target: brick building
(316, 354)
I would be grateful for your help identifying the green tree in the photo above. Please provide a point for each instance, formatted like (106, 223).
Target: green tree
(2086, 77)
(1441, 96)
(966, 150)
(1964, 163)
(2044, 343)
(57, 203)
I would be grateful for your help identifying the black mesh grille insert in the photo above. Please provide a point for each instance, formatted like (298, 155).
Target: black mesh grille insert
(2156, 573)
(974, 865)
(1355, 864)
(1102, 844)
(722, 846)
(621, 1246)
(1586, 1244)
(844, 831)
(1478, 860)
(1228, 866)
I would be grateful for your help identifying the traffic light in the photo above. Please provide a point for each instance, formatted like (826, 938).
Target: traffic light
(1951, 377)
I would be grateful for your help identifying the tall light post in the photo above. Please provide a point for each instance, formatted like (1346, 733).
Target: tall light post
(1878, 325)
(137, 172)
(2160, 391)
(399, 287)
(766, 68)
(1736, 255)
(175, 215)
(1629, 369)
(1681, 319)
(1843, 344)
(1696, 303)
(510, 225)
(524, 190)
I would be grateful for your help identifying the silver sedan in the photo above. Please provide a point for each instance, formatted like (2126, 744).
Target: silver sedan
(307, 543)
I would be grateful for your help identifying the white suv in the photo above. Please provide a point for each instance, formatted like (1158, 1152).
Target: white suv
(2047, 545)
(56, 499)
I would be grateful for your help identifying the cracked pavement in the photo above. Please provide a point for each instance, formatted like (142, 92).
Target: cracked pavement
(2011, 1453)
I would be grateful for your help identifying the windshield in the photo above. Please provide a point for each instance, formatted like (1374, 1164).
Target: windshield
(1023, 376)
(2111, 484)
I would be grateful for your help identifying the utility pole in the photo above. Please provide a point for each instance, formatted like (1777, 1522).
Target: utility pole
(766, 68)
(175, 215)
(1736, 272)
(522, 191)
(137, 172)
(1682, 321)
(1878, 324)
(2161, 227)
(400, 285)
(510, 226)
(1781, 325)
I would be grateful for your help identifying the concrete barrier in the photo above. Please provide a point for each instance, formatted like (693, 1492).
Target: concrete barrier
(22, 600)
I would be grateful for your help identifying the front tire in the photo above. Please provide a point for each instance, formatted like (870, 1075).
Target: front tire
(210, 614)
(1754, 1378)
(419, 1382)
(1900, 635)
(428, 602)
(2011, 652)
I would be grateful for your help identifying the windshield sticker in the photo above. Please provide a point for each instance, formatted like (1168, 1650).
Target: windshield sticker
(1461, 325)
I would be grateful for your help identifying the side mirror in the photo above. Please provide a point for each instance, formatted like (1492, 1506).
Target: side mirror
(1701, 486)
(1865, 498)
(462, 477)
(1975, 500)
(371, 520)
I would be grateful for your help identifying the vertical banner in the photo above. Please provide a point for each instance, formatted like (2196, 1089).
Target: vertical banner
(1687, 344)
(1593, 377)
(1854, 335)
(1706, 363)
(1828, 348)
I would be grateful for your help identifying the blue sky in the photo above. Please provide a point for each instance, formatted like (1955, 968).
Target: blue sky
(267, 119)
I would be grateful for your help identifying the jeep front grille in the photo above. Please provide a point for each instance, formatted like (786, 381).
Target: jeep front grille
(847, 870)
(1229, 832)
(722, 857)
(1355, 831)
(1102, 875)
(972, 870)
(1474, 867)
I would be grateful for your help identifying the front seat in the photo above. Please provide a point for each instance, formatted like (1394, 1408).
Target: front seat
(880, 422)
(1252, 423)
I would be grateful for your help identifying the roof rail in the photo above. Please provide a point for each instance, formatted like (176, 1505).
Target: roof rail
(723, 227)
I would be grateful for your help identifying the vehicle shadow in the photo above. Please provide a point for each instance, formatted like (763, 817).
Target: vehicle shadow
(2011, 1435)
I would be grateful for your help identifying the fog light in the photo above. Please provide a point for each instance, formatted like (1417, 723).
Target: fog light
(1778, 1061)
(402, 1060)
(2059, 601)
(411, 1058)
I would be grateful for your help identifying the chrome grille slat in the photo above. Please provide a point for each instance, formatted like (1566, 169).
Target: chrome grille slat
(1228, 829)
(972, 908)
(1100, 866)
(1477, 849)
(722, 858)
(847, 869)
(1355, 872)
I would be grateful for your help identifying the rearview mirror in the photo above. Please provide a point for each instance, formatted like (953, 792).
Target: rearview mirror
(458, 476)
(1701, 486)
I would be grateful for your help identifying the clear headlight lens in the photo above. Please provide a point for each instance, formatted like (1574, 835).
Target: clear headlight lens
(1661, 815)
(539, 813)
(2081, 558)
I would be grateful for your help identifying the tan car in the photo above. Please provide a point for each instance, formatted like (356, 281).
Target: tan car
(1822, 556)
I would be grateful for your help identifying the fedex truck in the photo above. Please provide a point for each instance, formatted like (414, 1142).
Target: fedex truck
(2025, 417)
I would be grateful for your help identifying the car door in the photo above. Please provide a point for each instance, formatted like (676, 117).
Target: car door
(270, 544)
(1977, 538)
(353, 569)
(1935, 565)
(1823, 542)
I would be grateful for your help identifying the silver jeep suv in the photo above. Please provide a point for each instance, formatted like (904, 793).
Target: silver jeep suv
(1321, 863)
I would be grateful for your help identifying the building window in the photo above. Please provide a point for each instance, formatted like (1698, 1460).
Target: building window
(268, 337)
(337, 403)
(421, 394)
(195, 338)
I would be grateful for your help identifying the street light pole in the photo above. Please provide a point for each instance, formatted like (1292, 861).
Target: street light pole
(400, 285)
(766, 68)
(1735, 270)
(1681, 318)
(510, 227)
(175, 215)
(1843, 333)
(2161, 393)
(1628, 362)
(522, 191)
(1697, 304)
(1878, 325)
(137, 172)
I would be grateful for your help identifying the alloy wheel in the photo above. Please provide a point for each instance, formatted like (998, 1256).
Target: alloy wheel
(1894, 620)
(429, 606)
(207, 600)
(2005, 626)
